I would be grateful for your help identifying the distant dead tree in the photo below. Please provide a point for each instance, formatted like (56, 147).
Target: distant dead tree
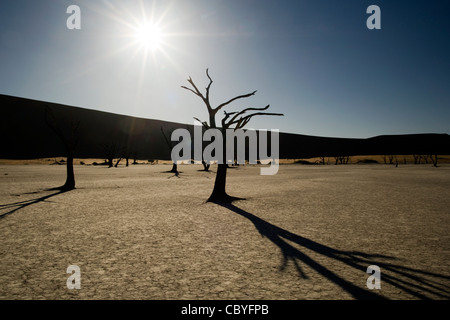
(322, 160)
(205, 165)
(127, 156)
(110, 152)
(389, 157)
(169, 144)
(392, 158)
(70, 142)
(336, 160)
(117, 162)
(231, 120)
(341, 159)
(434, 160)
(129, 151)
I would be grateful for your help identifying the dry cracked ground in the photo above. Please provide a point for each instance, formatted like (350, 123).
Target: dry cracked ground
(308, 232)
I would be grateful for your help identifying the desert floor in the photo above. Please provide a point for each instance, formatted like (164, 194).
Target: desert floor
(308, 232)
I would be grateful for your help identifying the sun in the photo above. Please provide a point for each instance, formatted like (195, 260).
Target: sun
(149, 36)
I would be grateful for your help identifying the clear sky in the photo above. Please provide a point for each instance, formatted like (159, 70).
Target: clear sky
(315, 61)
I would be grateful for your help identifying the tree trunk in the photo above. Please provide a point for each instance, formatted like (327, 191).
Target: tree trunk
(174, 168)
(219, 193)
(435, 160)
(205, 165)
(70, 181)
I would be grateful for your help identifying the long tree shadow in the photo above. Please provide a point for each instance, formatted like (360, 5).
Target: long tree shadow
(15, 206)
(418, 283)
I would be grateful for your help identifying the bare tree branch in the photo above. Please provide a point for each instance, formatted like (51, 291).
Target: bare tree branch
(69, 142)
(198, 93)
(248, 109)
(235, 98)
(242, 121)
(204, 123)
(51, 122)
(192, 91)
(169, 143)
(209, 85)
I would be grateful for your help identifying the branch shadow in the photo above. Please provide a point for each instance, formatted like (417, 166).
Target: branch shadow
(16, 206)
(418, 283)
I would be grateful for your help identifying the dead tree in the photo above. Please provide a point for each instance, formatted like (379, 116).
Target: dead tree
(232, 120)
(110, 150)
(117, 162)
(169, 144)
(135, 157)
(126, 154)
(392, 158)
(70, 142)
(205, 165)
(434, 160)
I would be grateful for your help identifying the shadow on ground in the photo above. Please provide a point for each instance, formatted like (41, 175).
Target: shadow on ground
(418, 283)
(15, 206)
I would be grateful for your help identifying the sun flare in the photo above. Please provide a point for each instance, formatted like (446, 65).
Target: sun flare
(149, 36)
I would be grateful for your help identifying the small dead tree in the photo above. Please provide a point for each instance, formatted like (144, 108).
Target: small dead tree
(205, 165)
(169, 144)
(70, 142)
(322, 160)
(110, 151)
(117, 162)
(126, 154)
(434, 159)
(392, 158)
(231, 120)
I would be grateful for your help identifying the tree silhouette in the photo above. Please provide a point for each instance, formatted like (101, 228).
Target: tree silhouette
(110, 150)
(70, 142)
(232, 120)
(169, 144)
(434, 160)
